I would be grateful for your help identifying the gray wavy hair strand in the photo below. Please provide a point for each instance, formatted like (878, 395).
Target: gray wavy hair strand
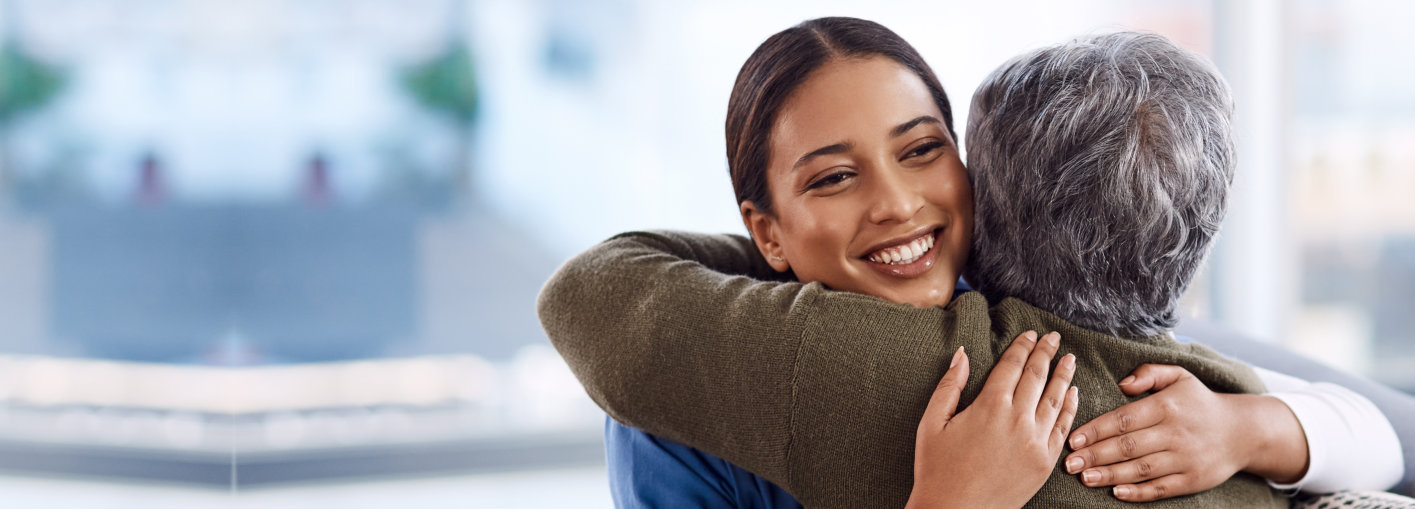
(1100, 171)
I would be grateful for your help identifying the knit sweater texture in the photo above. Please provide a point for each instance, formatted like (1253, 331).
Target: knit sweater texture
(696, 339)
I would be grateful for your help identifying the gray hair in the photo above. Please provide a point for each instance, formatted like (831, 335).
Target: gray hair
(1100, 171)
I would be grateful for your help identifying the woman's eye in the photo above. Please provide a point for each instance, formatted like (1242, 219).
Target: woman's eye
(830, 180)
(925, 149)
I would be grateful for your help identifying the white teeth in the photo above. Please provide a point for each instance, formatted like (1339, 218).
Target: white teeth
(904, 254)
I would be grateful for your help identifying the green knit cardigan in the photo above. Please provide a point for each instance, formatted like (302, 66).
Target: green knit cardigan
(687, 337)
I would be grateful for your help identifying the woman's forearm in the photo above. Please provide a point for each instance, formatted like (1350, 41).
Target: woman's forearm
(660, 342)
(1278, 447)
(1394, 408)
(1349, 443)
(778, 378)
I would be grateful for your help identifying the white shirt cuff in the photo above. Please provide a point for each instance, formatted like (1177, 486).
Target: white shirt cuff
(1350, 443)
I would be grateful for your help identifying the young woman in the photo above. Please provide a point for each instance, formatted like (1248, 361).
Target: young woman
(841, 148)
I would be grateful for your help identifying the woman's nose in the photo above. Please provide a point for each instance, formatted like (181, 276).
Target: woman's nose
(896, 198)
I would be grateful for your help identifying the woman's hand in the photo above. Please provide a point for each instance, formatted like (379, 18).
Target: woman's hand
(1185, 438)
(999, 451)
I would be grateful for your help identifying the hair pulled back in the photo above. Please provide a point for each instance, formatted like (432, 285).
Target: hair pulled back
(780, 65)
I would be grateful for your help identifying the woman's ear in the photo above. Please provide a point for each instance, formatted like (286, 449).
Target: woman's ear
(763, 228)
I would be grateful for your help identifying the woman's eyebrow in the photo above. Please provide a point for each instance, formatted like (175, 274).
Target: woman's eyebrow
(838, 148)
(905, 127)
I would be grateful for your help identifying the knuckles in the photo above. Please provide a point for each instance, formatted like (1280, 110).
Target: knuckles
(1058, 434)
(1037, 370)
(1168, 407)
(1143, 469)
(1127, 446)
(1053, 402)
(1124, 422)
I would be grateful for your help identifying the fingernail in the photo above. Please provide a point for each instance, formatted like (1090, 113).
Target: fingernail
(1069, 359)
(1090, 477)
(1074, 465)
(1053, 338)
(956, 356)
(1078, 441)
(1127, 380)
(1122, 492)
(1031, 335)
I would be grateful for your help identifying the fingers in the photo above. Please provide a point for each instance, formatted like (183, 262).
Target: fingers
(1133, 416)
(1168, 486)
(1055, 396)
(1117, 449)
(1034, 375)
(943, 404)
(1002, 382)
(1144, 468)
(1152, 377)
(1065, 420)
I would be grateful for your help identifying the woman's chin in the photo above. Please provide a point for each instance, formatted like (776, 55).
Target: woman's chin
(929, 289)
(937, 295)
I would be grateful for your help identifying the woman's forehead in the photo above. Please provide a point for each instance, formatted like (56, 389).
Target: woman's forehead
(851, 98)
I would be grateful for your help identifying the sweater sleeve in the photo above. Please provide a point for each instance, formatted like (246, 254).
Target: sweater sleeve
(667, 339)
(668, 345)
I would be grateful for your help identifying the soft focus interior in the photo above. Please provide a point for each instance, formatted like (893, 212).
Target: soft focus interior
(286, 252)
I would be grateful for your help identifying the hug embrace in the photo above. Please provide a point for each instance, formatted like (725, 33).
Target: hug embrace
(903, 330)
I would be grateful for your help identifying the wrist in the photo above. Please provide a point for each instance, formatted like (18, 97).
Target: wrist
(1277, 445)
(935, 496)
(916, 502)
(918, 499)
(919, 495)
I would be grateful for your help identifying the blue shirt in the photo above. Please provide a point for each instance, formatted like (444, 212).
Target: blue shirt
(646, 471)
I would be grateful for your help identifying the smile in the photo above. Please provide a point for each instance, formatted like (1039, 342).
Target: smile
(908, 259)
(905, 253)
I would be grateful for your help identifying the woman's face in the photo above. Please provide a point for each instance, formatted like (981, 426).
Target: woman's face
(868, 192)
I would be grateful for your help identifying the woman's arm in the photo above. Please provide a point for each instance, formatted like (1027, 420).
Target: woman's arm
(1185, 438)
(649, 314)
(658, 341)
(819, 392)
(1350, 443)
(1398, 408)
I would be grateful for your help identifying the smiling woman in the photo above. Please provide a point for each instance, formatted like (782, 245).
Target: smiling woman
(867, 190)
(848, 178)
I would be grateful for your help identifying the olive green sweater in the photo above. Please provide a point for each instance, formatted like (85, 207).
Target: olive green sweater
(819, 391)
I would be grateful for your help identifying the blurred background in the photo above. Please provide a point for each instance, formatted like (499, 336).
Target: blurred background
(289, 249)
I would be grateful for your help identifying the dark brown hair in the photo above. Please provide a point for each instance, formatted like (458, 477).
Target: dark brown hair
(779, 65)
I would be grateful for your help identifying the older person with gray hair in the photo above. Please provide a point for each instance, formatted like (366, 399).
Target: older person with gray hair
(1100, 170)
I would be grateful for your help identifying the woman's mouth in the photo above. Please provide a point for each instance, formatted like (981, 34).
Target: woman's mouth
(904, 254)
(908, 259)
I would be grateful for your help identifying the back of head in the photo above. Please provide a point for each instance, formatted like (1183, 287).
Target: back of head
(1100, 170)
